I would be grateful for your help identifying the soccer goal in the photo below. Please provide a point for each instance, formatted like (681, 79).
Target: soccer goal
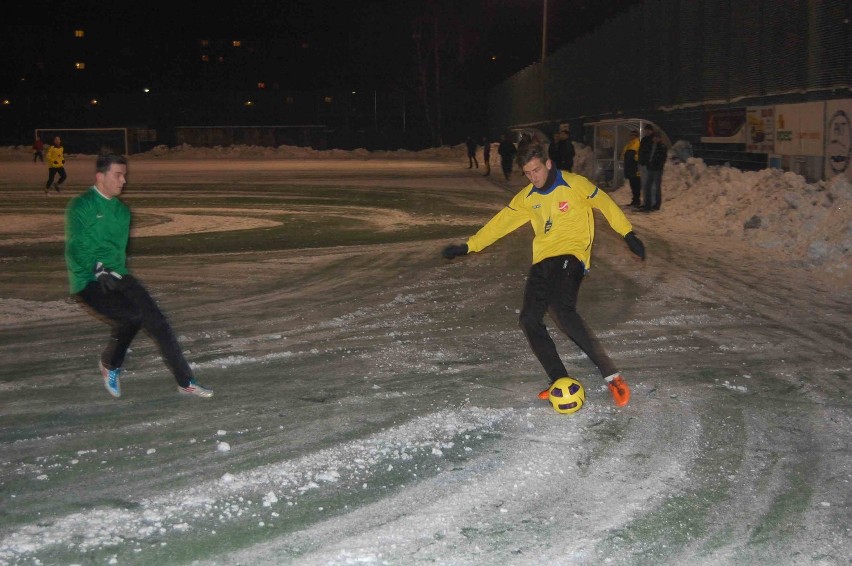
(88, 141)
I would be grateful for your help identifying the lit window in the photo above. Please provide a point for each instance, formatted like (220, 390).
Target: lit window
(328, 99)
(205, 58)
(93, 102)
(79, 33)
(248, 103)
(261, 85)
(79, 65)
(236, 43)
(6, 102)
(493, 57)
(204, 42)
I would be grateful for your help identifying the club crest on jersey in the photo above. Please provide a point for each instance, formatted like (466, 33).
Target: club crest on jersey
(563, 206)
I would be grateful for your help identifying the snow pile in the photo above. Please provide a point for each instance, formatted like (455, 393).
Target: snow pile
(770, 209)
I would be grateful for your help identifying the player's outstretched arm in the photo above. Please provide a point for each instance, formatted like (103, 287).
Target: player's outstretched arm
(454, 251)
(635, 244)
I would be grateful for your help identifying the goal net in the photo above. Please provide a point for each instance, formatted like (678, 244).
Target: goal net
(88, 141)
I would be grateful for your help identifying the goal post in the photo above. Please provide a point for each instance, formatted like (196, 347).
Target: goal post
(87, 141)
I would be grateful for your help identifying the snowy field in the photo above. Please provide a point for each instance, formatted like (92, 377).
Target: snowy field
(376, 404)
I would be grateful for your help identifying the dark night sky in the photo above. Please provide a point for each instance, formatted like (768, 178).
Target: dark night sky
(301, 43)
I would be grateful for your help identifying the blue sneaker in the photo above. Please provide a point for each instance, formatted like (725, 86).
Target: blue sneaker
(195, 388)
(111, 381)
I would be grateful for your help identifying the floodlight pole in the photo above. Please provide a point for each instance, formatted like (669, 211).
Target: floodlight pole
(544, 33)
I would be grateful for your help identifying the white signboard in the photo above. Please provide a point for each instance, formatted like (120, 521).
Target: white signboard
(800, 129)
(760, 129)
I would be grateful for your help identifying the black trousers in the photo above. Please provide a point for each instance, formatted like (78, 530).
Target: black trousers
(635, 189)
(552, 287)
(127, 310)
(52, 174)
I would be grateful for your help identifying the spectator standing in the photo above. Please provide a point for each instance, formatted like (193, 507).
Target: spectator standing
(97, 230)
(562, 151)
(553, 150)
(523, 143)
(38, 150)
(55, 165)
(560, 207)
(507, 151)
(653, 193)
(630, 156)
(486, 155)
(471, 153)
(642, 160)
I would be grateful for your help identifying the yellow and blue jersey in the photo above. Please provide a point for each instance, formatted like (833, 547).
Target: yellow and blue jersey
(561, 215)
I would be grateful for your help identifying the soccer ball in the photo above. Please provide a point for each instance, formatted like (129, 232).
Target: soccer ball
(566, 395)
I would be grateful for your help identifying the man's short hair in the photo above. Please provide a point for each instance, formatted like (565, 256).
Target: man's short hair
(530, 152)
(106, 160)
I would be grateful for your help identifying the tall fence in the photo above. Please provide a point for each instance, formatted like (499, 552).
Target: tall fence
(670, 60)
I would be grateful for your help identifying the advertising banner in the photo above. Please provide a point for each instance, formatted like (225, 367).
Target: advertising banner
(800, 129)
(838, 138)
(724, 126)
(760, 129)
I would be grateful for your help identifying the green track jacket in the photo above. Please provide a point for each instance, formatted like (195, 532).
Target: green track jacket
(96, 229)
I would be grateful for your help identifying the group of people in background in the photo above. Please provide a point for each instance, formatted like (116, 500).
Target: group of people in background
(505, 149)
(643, 161)
(643, 168)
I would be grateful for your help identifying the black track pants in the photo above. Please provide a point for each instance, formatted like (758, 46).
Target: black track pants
(552, 287)
(126, 311)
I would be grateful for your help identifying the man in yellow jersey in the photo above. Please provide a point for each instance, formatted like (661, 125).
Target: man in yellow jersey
(560, 206)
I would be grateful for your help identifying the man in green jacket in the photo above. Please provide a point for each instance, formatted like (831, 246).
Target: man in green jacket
(97, 229)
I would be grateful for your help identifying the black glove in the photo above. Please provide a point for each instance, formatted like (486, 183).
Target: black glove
(451, 252)
(109, 279)
(635, 244)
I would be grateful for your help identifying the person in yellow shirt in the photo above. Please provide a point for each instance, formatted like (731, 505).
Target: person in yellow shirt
(560, 207)
(56, 165)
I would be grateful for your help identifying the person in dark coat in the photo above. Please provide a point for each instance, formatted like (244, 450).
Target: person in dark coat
(652, 196)
(561, 151)
(507, 151)
(486, 155)
(471, 153)
(630, 156)
(642, 159)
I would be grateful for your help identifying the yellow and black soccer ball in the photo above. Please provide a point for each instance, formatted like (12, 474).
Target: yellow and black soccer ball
(566, 395)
